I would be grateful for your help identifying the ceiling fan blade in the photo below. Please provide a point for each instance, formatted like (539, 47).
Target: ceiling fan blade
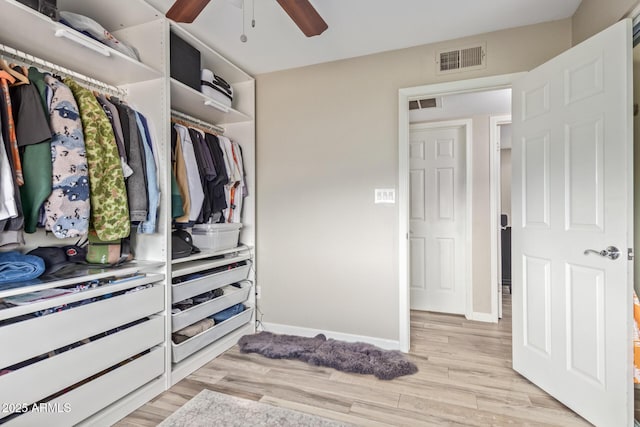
(305, 16)
(186, 10)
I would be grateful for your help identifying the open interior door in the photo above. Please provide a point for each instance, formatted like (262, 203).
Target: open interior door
(573, 193)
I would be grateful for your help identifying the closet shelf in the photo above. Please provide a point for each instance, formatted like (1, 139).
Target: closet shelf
(27, 29)
(81, 275)
(210, 59)
(194, 103)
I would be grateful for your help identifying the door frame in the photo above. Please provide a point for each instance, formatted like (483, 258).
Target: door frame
(495, 197)
(467, 125)
(404, 96)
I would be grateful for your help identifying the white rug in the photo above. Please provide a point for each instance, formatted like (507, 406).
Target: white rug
(211, 409)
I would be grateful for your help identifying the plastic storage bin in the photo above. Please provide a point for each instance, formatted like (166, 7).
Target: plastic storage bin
(216, 237)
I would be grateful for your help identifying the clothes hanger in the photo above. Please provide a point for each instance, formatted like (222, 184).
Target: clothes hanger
(16, 74)
(21, 75)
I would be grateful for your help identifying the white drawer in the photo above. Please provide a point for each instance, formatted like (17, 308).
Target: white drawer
(184, 290)
(231, 297)
(66, 369)
(86, 400)
(190, 346)
(40, 335)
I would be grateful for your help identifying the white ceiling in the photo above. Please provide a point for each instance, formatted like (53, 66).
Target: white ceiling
(356, 27)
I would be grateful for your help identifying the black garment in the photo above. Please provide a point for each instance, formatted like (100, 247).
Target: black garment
(32, 126)
(205, 211)
(218, 200)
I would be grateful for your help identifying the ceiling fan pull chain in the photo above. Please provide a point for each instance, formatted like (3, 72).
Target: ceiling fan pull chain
(243, 36)
(253, 13)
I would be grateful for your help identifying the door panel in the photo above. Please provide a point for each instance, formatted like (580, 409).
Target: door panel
(572, 191)
(438, 218)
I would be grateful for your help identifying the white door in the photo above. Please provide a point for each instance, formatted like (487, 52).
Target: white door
(572, 191)
(437, 157)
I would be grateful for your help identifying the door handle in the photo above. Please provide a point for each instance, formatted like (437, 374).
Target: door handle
(611, 252)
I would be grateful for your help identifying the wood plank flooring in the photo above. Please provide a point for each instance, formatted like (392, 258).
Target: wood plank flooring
(464, 379)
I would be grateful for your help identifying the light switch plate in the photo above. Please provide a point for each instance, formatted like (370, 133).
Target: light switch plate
(385, 195)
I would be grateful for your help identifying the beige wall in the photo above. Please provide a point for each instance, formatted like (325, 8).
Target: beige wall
(327, 136)
(594, 16)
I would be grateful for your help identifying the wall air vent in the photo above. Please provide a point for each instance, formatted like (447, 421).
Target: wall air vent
(421, 104)
(463, 59)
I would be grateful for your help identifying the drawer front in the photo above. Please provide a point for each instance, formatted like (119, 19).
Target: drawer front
(200, 311)
(63, 370)
(42, 334)
(190, 346)
(86, 400)
(182, 291)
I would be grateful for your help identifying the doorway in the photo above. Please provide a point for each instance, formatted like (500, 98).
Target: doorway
(405, 95)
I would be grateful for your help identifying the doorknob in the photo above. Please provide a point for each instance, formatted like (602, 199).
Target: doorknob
(611, 252)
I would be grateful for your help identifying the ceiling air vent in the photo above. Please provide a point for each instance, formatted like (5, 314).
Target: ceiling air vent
(463, 59)
(420, 104)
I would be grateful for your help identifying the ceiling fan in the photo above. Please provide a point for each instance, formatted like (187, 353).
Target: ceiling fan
(301, 12)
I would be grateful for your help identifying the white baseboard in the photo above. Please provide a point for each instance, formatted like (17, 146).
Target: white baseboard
(481, 317)
(307, 332)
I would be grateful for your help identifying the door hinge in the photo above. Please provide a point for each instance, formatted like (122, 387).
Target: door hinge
(630, 254)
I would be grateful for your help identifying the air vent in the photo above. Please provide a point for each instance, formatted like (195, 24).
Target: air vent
(463, 59)
(420, 104)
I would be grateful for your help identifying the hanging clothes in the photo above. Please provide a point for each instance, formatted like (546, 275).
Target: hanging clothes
(196, 193)
(67, 209)
(109, 206)
(136, 183)
(176, 195)
(8, 207)
(180, 172)
(5, 79)
(153, 187)
(219, 201)
(114, 118)
(234, 178)
(197, 139)
(11, 229)
(33, 134)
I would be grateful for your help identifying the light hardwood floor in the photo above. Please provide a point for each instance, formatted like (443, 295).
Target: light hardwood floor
(464, 379)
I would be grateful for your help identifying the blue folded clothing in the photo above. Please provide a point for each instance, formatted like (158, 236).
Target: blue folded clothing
(16, 267)
(229, 312)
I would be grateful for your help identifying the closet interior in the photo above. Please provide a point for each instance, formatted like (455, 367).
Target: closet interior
(106, 340)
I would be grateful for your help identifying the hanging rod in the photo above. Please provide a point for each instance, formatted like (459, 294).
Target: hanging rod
(197, 122)
(18, 55)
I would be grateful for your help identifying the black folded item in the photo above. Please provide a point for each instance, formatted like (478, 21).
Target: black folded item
(57, 257)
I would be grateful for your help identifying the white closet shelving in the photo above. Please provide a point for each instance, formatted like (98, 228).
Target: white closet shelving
(120, 353)
(238, 124)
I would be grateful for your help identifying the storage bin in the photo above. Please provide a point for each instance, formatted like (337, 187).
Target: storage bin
(232, 296)
(190, 346)
(188, 289)
(216, 237)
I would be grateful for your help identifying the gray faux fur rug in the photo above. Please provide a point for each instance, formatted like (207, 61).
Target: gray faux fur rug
(355, 357)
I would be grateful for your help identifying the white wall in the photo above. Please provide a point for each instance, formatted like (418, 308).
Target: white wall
(327, 136)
